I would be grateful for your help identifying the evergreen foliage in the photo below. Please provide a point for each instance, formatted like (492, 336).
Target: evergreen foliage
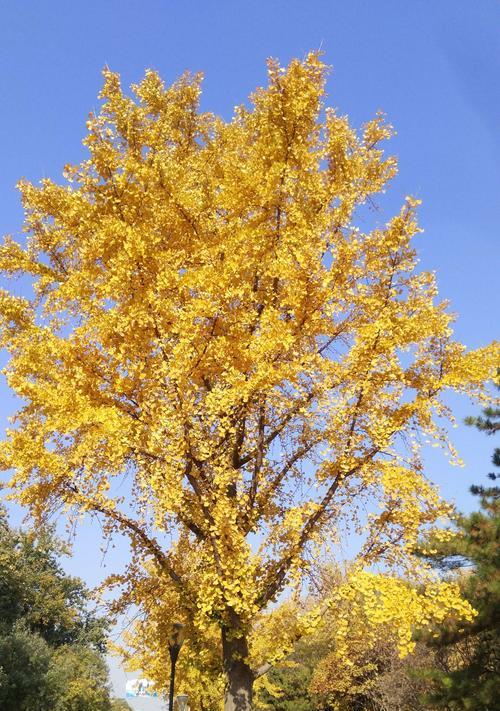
(51, 645)
(467, 673)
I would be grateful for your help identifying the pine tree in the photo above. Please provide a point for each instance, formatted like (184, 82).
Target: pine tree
(468, 672)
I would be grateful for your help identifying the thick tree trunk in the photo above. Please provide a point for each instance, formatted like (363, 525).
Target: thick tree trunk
(239, 676)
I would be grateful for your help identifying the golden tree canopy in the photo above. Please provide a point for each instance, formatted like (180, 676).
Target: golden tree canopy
(208, 325)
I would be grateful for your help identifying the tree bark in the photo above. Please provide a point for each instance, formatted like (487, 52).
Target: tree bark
(239, 676)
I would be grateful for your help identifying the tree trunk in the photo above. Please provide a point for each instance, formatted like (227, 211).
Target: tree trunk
(239, 676)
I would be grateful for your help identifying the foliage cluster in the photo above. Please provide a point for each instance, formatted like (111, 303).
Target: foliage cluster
(456, 668)
(51, 645)
(221, 361)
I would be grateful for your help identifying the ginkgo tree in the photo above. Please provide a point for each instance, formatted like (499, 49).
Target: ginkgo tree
(208, 325)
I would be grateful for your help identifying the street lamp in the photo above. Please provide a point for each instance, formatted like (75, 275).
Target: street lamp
(182, 702)
(175, 641)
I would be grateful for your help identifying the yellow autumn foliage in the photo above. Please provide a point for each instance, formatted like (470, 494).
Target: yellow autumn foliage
(219, 362)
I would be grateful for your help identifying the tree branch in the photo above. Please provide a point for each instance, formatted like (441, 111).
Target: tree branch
(279, 428)
(149, 543)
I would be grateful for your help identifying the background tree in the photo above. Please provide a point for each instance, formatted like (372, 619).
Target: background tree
(51, 645)
(209, 327)
(359, 669)
(489, 423)
(467, 656)
(286, 686)
(25, 660)
(369, 675)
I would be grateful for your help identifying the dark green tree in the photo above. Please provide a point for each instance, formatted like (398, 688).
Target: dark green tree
(25, 661)
(51, 644)
(288, 683)
(488, 422)
(467, 672)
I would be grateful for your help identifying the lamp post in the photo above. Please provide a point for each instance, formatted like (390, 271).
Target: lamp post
(175, 641)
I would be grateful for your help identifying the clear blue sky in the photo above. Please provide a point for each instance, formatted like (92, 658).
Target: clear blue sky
(433, 67)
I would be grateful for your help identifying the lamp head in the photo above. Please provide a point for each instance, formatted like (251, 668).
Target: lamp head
(181, 701)
(176, 637)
